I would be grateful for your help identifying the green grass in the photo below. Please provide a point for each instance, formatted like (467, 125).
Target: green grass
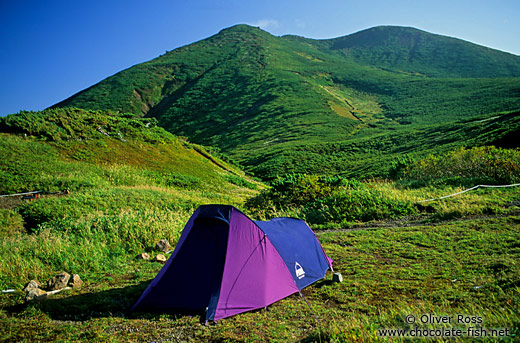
(112, 185)
(130, 183)
(464, 267)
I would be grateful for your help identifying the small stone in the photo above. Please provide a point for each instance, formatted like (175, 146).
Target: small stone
(35, 294)
(58, 282)
(31, 285)
(143, 256)
(75, 281)
(337, 277)
(163, 245)
(160, 258)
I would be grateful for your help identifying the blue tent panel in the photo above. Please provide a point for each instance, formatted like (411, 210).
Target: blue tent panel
(298, 247)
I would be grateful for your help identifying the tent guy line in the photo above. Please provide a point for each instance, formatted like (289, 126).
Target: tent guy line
(470, 189)
(18, 194)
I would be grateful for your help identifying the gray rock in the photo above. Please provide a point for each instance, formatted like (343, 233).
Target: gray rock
(59, 281)
(75, 281)
(337, 277)
(31, 285)
(163, 245)
(143, 256)
(35, 294)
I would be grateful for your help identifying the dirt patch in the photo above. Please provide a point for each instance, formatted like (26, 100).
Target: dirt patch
(9, 203)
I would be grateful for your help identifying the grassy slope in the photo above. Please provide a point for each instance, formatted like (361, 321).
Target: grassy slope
(129, 189)
(126, 190)
(281, 104)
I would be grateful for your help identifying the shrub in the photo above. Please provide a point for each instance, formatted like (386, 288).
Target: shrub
(361, 204)
(401, 164)
(326, 200)
(63, 124)
(486, 164)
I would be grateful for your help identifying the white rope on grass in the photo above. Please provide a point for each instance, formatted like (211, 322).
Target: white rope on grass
(17, 194)
(470, 189)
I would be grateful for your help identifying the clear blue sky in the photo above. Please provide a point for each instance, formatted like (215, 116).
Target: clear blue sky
(51, 49)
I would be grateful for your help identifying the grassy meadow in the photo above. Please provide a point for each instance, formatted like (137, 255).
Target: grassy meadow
(113, 185)
(461, 267)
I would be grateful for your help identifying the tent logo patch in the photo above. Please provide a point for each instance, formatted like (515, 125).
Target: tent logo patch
(300, 273)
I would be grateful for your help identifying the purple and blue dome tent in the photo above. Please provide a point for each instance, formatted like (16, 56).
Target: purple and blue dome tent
(225, 263)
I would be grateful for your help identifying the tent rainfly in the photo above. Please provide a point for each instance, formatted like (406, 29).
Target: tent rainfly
(225, 263)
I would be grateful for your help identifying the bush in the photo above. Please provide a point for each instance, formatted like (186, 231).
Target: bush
(326, 200)
(486, 164)
(362, 204)
(64, 124)
(400, 165)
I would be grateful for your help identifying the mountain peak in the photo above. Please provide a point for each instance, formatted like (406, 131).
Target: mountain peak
(288, 104)
(413, 50)
(242, 28)
(383, 35)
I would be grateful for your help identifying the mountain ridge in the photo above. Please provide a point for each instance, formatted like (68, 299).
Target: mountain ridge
(332, 43)
(419, 44)
(267, 100)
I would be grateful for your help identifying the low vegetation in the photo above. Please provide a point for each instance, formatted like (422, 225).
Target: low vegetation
(112, 185)
(346, 106)
(328, 201)
(484, 165)
(335, 201)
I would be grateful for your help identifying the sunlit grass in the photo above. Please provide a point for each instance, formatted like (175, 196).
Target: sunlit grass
(113, 211)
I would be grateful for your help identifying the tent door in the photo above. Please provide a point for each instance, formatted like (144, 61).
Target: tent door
(192, 280)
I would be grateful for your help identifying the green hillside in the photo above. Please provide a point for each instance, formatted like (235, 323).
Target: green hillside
(419, 52)
(114, 184)
(110, 186)
(349, 105)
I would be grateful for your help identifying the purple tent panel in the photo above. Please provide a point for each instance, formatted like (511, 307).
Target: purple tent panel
(255, 275)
